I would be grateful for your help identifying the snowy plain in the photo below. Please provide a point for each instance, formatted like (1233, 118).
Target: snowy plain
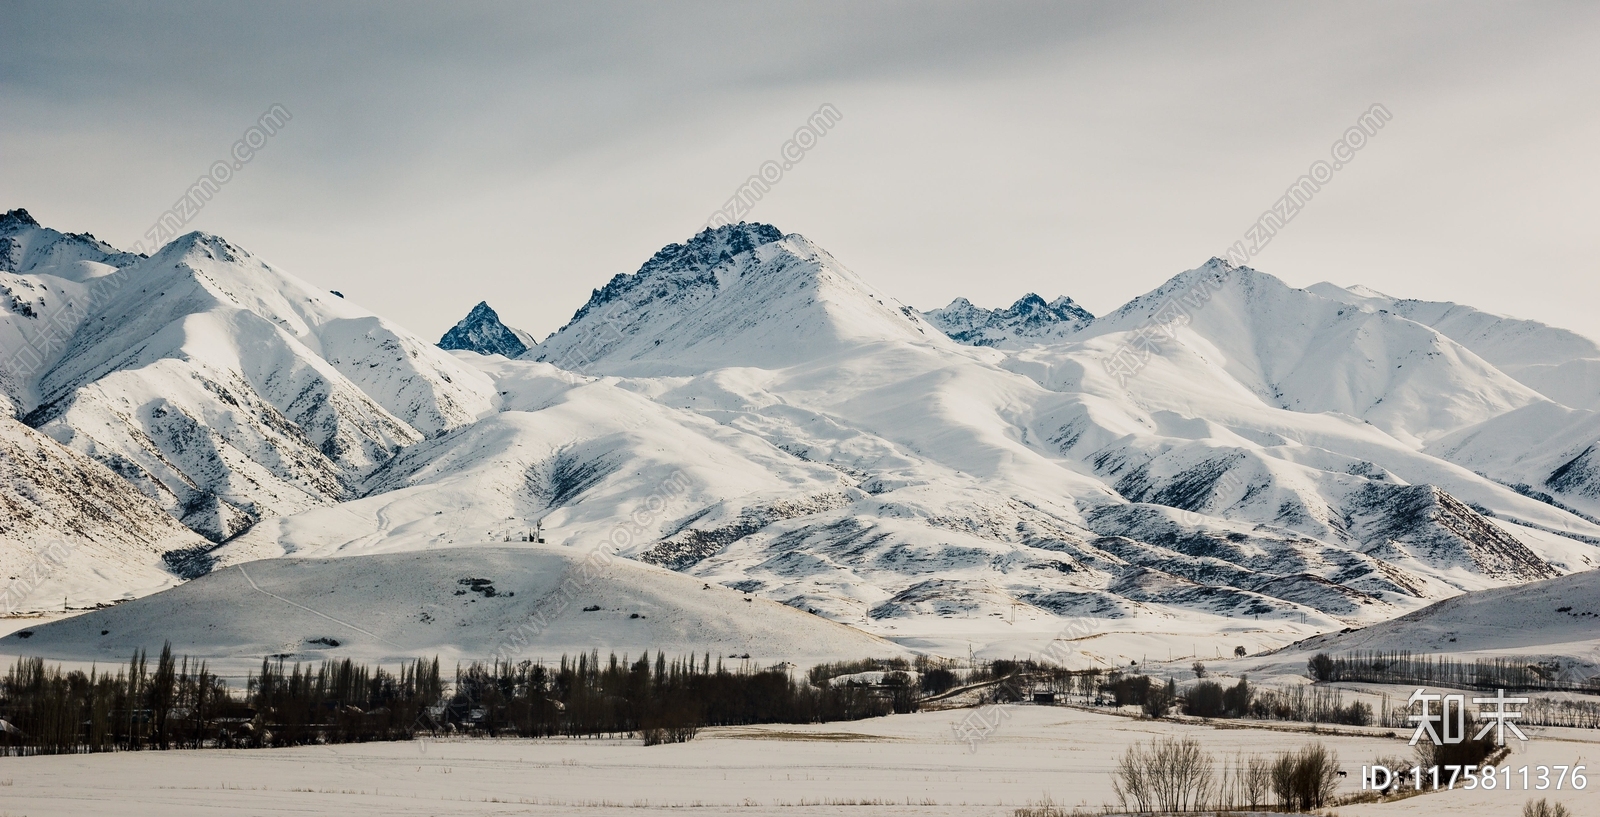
(900, 765)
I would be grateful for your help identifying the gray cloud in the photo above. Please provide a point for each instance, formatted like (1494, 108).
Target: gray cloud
(524, 153)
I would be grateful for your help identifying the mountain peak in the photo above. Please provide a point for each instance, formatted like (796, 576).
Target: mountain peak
(26, 245)
(737, 295)
(1030, 318)
(17, 218)
(686, 265)
(482, 331)
(712, 246)
(195, 244)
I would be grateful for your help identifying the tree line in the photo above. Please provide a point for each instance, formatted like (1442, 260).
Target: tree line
(182, 704)
(1404, 667)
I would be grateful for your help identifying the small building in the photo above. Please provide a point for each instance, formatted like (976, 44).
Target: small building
(1044, 697)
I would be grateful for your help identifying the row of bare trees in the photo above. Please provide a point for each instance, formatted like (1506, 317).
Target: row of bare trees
(1405, 667)
(48, 711)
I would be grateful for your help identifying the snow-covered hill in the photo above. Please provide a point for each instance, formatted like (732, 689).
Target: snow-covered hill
(520, 603)
(1546, 450)
(1543, 449)
(1554, 619)
(1029, 320)
(481, 331)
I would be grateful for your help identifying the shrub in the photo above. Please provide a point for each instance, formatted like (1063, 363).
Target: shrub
(1255, 780)
(1236, 699)
(1305, 780)
(1356, 714)
(1204, 700)
(1321, 667)
(1467, 752)
(938, 681)
(1159, 700)
(1127, 690)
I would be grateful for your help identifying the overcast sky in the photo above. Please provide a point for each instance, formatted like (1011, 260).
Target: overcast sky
(444, 154)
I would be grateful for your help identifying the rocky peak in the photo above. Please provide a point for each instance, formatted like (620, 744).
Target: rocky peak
(1030, 318)
(16, 219)
(482, 331)
(681, 269)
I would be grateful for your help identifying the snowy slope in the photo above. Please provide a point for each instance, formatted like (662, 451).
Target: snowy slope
(73, 532)
(481, 331)
(1300, 351)
(1547, 451)
(581, 454)
(522, 603)
(1269, 404)
(1029, 320)
(1558, 363)
(44, 278)
(1554, 619)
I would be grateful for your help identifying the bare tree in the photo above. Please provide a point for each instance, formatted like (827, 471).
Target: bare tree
(1132, 788)
(1171, 775)
(1543, 808)
(1255, 779)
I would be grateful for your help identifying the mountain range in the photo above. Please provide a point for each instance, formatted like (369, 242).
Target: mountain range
(1226, 460)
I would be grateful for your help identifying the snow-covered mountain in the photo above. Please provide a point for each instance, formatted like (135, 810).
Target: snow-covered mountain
(223, 388)
(740, 295)
(746, 410)
(1029, 320)
(1545, 449)
(837, 455)
(481, 331)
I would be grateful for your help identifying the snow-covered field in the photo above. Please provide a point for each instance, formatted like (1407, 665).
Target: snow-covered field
(903, 764)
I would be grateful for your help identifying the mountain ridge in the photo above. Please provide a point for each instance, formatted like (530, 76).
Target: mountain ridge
(1029, 320)
(754, 414)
